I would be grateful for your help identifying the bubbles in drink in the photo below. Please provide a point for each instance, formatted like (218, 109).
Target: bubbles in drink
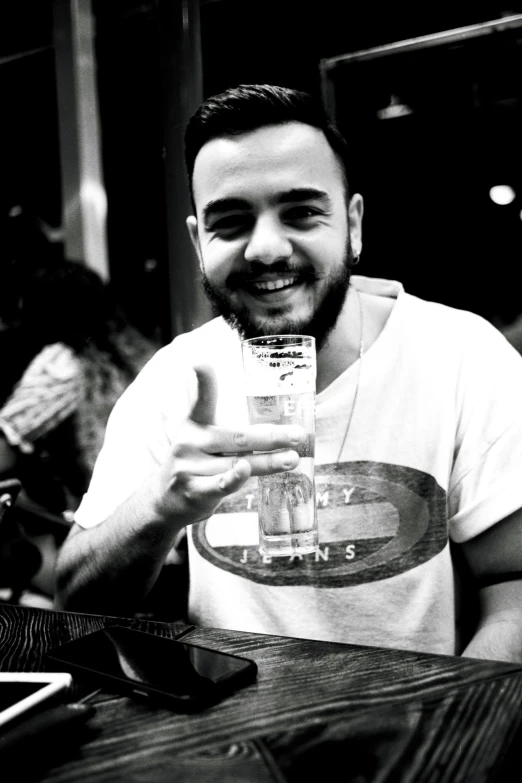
(286, 409)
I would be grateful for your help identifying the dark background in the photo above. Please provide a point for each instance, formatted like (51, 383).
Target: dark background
(425, 177)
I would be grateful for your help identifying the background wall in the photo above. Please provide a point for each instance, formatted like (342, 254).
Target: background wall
(29, 153)
(425, 177)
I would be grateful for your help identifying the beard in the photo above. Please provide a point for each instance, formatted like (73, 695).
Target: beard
(318, 325)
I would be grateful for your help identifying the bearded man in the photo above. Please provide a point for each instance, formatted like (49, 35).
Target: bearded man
(418, 419)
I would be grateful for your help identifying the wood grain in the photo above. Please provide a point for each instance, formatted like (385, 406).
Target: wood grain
(372, 714)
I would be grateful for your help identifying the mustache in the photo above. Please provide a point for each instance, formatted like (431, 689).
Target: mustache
(257, 269)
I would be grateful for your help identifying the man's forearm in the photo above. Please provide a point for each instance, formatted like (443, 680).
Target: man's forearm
(110, 568)
(500, 641)
(499, 633)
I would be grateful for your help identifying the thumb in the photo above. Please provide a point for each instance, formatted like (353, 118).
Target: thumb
(204, 408)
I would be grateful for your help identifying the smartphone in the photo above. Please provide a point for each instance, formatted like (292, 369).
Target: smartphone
(182, 676)
(20, 692)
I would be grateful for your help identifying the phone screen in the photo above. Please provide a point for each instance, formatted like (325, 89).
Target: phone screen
(172, 667)
(22, 691)
(13, 692)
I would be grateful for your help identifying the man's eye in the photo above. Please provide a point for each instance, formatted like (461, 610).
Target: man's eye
(301, 213)
(231, 224)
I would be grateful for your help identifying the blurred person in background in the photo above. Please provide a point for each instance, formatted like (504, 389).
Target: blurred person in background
(27, 242)
(67, 355)
(24, 248)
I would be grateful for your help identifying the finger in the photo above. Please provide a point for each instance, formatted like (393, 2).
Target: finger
(205, 406)
(207, 491)
(253, 437)
(232, 479)
(273, 462)
(260, 464)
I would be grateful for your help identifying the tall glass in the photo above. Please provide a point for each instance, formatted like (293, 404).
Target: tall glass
(280, 374)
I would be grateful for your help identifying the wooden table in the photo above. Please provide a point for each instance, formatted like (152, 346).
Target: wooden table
(318, 711)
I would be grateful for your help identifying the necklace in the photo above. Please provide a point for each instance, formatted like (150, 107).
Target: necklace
(361, 354)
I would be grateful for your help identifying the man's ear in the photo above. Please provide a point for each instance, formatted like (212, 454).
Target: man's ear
(355, 216)
(192, 225)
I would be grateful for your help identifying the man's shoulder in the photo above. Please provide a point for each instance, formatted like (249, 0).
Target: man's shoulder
(423, 314)
(215, 332)
(446, 331)
(212, 336)
(433, 327)
(213, 343)
(456, 321)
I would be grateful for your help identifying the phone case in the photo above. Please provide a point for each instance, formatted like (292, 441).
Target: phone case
(92, 656)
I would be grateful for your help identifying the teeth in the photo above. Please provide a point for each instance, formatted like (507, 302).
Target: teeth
(273, 285)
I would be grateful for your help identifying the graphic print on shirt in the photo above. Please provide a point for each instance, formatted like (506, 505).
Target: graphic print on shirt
(376, 521)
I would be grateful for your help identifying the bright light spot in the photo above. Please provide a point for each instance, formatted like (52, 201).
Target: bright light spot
(502, 194)
(93, 197)
(396, 108)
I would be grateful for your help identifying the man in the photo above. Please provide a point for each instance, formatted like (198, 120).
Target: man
(419, 429)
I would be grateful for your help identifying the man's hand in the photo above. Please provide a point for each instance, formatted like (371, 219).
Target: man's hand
(208, 463)
(110, 567)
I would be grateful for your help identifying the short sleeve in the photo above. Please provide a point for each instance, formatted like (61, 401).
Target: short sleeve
(486, 483)
(48, 393)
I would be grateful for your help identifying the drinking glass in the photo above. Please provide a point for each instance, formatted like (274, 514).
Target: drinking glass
(280, 376)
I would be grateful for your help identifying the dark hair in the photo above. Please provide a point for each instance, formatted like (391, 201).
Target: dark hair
(251, 106)
(65, 302)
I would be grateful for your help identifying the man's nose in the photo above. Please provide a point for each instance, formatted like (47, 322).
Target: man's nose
(268, 242)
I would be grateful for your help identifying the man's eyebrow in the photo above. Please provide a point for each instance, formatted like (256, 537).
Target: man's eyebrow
(303, 194)
(221, 205)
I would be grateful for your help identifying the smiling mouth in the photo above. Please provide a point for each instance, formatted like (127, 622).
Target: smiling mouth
(267, 286)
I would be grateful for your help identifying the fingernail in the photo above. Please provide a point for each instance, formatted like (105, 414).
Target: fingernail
(290, 462)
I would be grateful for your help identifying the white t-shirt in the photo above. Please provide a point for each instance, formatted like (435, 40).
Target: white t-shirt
(433, 452)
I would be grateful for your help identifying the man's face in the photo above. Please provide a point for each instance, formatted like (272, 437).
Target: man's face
(272, 230)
